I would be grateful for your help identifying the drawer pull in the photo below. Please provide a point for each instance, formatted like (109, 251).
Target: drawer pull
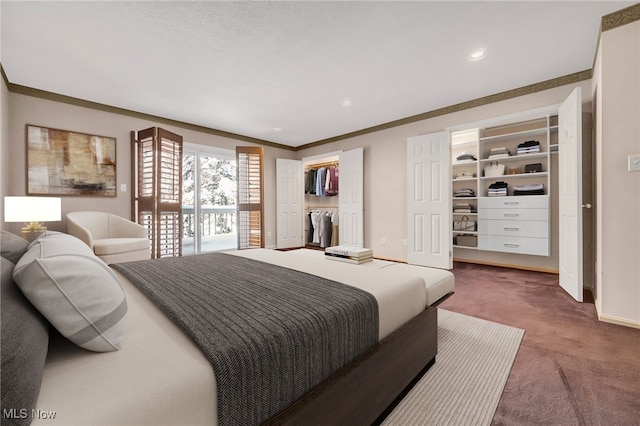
(511, 203)
(512, 214)
(511, 229)
(512, 245)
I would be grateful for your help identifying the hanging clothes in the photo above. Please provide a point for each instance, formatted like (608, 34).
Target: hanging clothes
(316, 216)
(320, 182)
(331, 185)
(322, 227)
(334, 229)
(310, 181)
(326, 230)
(310, 229)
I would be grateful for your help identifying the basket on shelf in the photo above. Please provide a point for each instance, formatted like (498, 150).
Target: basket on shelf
(467, 240)
(494, 169)
(464, 224)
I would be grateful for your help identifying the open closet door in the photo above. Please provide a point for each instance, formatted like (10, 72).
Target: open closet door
(570, 193)
(351, 194)
(429, 201)
(289, 203)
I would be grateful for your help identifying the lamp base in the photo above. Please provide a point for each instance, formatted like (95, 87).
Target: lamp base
(33, 227)
(32, 231)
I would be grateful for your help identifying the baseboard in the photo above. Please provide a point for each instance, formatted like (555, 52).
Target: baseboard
(618, 321)
(506, 265)
(390, 259)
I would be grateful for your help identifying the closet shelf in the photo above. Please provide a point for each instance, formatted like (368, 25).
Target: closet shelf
(519, 175)
(464, 163)
(524, 133)
(466, 247)
(515, 158)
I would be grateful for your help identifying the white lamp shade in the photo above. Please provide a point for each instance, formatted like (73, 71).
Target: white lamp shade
(32, 209)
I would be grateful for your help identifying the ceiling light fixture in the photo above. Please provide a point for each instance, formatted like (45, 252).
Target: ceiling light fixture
(346, 103)
(277, 129)
(477, 55)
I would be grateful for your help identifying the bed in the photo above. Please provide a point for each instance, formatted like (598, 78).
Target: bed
(159, 376)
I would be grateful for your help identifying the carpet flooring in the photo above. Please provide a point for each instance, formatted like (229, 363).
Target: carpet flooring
(571, 369)
(464, 385)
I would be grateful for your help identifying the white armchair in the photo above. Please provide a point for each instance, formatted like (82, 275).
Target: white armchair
(112, 238)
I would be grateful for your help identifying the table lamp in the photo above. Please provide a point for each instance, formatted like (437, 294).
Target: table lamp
(33, 211)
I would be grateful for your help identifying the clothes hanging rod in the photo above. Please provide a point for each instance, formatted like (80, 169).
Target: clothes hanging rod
(315, 166)
(322, 207)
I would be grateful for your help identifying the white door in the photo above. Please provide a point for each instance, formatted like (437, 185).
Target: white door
(570, 193)
(289, 203)
(429, 200)
(351, 194)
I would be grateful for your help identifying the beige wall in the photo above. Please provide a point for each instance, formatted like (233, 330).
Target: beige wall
(4, 143)
(384, 157)
(25, 109)
(385, 196)
(616, 84)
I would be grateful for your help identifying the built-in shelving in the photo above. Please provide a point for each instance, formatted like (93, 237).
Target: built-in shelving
(479, 143)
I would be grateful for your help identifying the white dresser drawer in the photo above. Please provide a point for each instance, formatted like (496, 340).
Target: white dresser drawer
(513, 214)
(515, 202)
(521, 245)
(514, 228)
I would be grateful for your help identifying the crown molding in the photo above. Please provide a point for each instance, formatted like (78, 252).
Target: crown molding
(614, 20)
(621, 17)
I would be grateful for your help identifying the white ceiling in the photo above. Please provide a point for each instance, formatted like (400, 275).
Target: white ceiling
(251, 67)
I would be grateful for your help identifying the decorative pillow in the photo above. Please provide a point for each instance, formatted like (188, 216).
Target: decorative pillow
(13, 246)
(25, 338)
(74, 290)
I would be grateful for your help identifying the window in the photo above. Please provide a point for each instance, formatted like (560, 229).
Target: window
(209, 208)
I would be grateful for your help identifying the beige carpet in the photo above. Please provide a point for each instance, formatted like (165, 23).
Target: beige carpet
(464, 385)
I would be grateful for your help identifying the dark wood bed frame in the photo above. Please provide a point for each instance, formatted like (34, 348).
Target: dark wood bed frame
(364, 391)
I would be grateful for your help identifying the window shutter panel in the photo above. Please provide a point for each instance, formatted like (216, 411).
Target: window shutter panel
(250, 197)
(158, 189)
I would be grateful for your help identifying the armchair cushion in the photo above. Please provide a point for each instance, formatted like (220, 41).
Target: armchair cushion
(119, 245)
(112, 238)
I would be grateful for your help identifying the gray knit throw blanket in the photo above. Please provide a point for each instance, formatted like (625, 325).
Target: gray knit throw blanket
(270, 333)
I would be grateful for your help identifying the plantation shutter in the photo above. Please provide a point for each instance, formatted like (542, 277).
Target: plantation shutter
(157, 194)
(250, 197)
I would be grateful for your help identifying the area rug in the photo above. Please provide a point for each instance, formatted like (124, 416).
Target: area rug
(464, 385)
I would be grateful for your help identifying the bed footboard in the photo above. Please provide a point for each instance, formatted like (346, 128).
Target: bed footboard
(364, 390)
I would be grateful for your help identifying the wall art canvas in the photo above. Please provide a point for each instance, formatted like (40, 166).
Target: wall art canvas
(61, 162)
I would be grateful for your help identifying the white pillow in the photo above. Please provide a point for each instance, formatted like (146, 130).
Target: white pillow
(74, 290)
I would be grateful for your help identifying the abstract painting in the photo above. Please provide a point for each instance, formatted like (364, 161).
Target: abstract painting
(60, 162)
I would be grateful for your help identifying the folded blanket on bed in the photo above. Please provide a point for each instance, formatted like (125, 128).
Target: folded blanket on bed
(270, 333)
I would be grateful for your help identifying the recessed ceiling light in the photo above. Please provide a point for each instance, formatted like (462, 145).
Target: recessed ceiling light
(477, 55)
(346, 103)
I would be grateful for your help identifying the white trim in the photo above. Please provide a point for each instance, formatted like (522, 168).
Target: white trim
(616, 320)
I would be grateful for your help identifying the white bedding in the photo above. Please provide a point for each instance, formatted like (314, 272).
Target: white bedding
(160, 377)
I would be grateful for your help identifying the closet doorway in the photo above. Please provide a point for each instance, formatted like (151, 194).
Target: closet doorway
(208, 199)
(294, 203)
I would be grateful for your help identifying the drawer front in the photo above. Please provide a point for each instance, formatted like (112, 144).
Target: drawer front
(516, 202)
(514, 228)
(520, 245)
(514, 214)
